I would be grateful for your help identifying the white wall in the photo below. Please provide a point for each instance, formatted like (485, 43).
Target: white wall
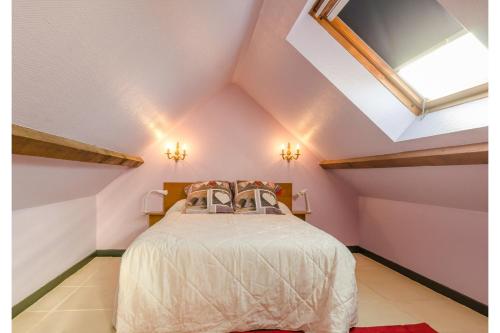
(445, 244)
(47, 240)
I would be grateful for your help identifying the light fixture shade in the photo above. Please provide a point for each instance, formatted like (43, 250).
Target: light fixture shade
(146, 197)
(303, 193)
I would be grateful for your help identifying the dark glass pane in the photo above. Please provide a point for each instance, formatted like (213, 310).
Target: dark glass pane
(400, 30)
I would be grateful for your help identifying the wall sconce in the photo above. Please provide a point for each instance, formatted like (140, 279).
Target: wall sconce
(288, 155)
(176, 155)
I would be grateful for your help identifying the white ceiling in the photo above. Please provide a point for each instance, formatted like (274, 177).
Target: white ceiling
(119, 73)
(114, 74)
(102, 71)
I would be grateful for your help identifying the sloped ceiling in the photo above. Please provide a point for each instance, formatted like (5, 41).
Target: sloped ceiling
(120, 74)
(302, 99)
(307, 104)
(116, 74)
(102, 71)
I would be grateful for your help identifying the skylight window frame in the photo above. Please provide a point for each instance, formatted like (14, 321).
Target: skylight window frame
(323, 10)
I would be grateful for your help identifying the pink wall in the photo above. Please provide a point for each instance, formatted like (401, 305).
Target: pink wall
(393, 184)
(47, 240)
(447, 245)
(41, 181)
(230, 137)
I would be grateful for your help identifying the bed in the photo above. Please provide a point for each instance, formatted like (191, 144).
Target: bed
(211, 273)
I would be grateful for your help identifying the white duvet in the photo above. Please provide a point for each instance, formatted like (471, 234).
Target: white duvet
(209, 273)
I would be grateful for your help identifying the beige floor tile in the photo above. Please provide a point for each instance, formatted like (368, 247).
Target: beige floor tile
(379, 275)
(394, 286)
(385, 298)
(52, 299)
(447, 315)
(26, 320)
(82, 275)
(366, 263)
(366, 294)
(76, 322)
(92, 297)
(107, 276)
(405, 291)
(382, 313)
(106, 262)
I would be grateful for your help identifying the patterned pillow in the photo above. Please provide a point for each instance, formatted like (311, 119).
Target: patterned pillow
(209, 197)
(256, 197)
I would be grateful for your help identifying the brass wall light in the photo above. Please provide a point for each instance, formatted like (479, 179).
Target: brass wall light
(176, 155)
(288, 155)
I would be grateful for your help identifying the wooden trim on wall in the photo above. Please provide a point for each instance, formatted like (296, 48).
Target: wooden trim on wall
(455, 155)
(27, 141)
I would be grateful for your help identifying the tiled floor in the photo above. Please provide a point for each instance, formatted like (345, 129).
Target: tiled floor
(83, 302)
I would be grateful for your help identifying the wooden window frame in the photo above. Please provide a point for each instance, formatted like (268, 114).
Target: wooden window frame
(384, 73)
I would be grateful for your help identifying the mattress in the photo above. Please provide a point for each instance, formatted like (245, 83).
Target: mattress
(225, 273)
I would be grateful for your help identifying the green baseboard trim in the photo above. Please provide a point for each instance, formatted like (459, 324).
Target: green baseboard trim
(109, 253)
(28, 301)
(437, 287)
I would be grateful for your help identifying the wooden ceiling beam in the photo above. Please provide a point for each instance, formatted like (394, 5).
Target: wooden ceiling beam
(26, 141)
(455, 155)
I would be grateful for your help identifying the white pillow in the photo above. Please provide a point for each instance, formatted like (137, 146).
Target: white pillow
(284, 208)
(177, 207)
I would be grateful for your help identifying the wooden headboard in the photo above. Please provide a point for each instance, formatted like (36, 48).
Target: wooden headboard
(176, 193)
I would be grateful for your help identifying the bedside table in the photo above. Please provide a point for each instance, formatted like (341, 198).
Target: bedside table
(301, 214)
(154, 217)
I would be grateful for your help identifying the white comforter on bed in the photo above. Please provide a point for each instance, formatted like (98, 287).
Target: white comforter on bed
(209, 273)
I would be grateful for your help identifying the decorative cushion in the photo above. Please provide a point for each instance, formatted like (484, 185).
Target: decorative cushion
(255, 197)
(213, 196)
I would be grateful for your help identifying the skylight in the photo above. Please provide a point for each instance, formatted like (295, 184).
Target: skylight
(429, 61)
(453, 67)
